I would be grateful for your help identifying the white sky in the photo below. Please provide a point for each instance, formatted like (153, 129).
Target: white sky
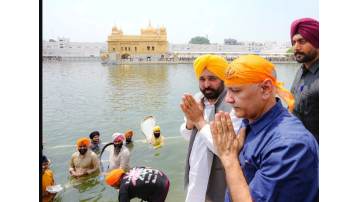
(243, 20)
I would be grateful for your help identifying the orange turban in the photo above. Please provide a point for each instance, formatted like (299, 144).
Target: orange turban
(84, 140)
(252, 69)
(129, 132)
(114, 176)
(214, 63)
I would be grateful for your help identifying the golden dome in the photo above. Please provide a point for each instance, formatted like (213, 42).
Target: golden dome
(149, 30)
(114, 29)
(149, 26)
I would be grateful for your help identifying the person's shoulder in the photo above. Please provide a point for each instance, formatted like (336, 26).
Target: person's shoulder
(49, 172)
(125, 150)
(93, 154)
(75, 154)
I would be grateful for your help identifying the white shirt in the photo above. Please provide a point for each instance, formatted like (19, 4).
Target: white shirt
(122, 160)
(200, 157)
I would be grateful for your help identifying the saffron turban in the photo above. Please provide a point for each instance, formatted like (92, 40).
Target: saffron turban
(118, 135)
(214, 63)
(83, 140)
(129, 132)
(114, 176)
(252, 69)
(307, 28)
(156, 128)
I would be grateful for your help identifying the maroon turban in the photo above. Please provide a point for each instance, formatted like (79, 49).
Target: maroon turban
(307, 28)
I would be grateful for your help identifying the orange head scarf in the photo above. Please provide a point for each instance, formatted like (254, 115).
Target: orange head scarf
(214, 63)
(114, 176)
(84, 140)
(252, 69)
(129, 132)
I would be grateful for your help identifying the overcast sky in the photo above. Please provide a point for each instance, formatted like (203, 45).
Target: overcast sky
(243, 20)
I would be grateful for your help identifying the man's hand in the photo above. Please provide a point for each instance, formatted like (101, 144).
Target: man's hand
(226, 144)
(193, 112)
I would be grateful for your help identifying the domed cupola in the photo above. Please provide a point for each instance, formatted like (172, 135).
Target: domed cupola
(114, 29)
(149, 30)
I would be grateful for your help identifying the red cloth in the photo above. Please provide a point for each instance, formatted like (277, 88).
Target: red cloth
(307, 28)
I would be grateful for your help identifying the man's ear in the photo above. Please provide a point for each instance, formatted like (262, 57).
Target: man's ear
(267, 87)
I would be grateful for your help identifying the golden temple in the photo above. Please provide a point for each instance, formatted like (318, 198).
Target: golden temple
(151, 43)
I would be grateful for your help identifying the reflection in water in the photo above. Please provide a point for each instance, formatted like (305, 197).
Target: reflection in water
(140, 88)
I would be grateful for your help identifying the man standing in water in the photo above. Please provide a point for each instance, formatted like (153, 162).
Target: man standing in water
(157, 140)
(83, 162)
(121, 156)
(204, 175)
(305, 88)
(95, 144)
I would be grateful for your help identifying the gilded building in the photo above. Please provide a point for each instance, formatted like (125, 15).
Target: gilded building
(151, 44)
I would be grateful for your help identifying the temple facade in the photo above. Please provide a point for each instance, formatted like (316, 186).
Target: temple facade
(151, 44)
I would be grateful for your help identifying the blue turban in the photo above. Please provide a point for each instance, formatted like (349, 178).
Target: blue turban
(44, 159)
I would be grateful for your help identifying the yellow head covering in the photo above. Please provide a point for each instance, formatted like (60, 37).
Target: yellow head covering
(114, 176)
(252, 69)
(214, 63)
(84, 140)
(156, 128)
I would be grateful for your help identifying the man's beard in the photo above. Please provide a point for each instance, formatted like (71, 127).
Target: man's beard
(117, 149)
(157, 135)
(307, 58)
(82, 151)
(215, 92)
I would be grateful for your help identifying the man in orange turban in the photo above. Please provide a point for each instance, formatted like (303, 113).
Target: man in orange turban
(305, 87)
(272, 157)
(204, 176)
(139, 182)
(128, 136)
(83, 162)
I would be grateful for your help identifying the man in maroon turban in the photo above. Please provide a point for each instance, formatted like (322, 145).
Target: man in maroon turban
(305, 88)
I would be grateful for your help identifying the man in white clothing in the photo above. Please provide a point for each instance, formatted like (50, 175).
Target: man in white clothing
(121, 155)
(204, 175)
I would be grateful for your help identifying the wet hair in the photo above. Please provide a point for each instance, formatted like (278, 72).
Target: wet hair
(93, 134)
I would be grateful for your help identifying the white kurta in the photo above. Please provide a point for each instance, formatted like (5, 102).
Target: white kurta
(200, 157)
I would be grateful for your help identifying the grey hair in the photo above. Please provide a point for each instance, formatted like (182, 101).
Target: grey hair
(273, 73)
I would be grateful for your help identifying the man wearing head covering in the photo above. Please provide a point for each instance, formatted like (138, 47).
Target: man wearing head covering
(128, 136)
(83, 162)
(47, 180)
(121, 155)
(304, 35)
(95, 144)
(272, 157)
(204, 176)
(139, 182)
(157, 140)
